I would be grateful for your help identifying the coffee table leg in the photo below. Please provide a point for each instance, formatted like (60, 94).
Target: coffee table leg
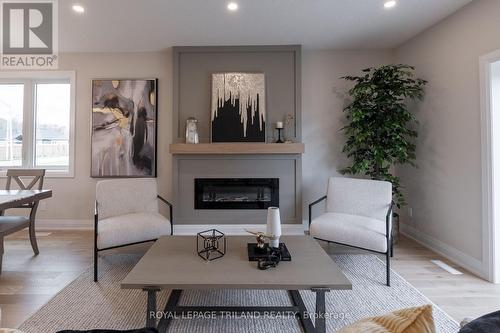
(151, 307)
(320, 320)
(167, 317)
(304, 317)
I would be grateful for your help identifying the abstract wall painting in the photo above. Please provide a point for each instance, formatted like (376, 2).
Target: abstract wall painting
(124, 126)
(238, 107)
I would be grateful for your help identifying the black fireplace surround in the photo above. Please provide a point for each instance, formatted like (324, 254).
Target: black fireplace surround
(236, 193)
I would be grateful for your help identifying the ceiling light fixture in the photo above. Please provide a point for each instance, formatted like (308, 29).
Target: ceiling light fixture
(390, 3)
(232, 6)
(79, 9)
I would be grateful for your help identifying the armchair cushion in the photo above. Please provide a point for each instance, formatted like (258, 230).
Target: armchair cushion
(125, 196)
(131, 228)
(352, 230)
(365, 197)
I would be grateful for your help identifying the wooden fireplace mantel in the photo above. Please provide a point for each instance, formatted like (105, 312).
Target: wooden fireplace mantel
(236, 148)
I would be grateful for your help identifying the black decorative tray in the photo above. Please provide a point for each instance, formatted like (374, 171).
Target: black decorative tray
(255, 254)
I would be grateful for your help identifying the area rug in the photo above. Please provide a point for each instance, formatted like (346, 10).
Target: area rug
(87, 305)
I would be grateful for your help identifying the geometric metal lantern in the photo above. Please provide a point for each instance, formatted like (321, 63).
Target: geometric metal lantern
(211, 244)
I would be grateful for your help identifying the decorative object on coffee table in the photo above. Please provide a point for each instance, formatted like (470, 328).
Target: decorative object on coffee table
(211, 244)
(273, 226)
(272, 259)
(279, 127)
(256, 254)
(192, 130)
(261, 250)
(238, 107)
(260, 246)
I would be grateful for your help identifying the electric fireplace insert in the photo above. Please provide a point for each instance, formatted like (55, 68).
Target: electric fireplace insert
(236, 193)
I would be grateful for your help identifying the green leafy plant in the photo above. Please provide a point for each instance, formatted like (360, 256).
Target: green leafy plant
(380, 131)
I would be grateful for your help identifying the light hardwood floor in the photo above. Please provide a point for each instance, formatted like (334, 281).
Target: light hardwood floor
(28, 282)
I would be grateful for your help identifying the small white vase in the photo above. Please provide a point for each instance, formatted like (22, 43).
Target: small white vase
(274, 226)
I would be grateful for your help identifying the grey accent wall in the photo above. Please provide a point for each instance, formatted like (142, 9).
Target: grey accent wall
(193, 67)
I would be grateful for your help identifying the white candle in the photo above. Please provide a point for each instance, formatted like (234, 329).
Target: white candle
(279, 124)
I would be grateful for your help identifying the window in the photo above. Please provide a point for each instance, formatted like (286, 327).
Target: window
(37, 122)
(11, 124)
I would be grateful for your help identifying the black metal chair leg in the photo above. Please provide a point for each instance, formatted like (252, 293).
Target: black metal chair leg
(95, 265)
(388, 268)
(392, 247)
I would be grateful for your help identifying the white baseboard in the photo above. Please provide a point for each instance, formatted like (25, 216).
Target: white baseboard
(64, 224)
(466, 261)
(179, 229)
(235, 229)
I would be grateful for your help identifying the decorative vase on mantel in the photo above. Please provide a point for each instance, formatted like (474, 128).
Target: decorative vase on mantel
(192, 130)
(288, 132)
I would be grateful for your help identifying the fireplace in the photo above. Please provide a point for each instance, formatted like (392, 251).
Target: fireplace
(236, 193)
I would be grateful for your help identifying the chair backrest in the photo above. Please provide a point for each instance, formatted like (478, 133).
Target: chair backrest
(126, 196)
(33, 176)
(370, 198)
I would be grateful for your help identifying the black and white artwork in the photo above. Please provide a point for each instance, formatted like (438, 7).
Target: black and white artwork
(238, 107)
(124, 128)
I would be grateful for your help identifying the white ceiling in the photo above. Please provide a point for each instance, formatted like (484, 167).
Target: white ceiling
(149, 25)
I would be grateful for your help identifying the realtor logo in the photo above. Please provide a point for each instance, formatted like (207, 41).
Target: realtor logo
(29, 34)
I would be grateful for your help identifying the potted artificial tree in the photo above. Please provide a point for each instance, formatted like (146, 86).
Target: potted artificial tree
(380, 130)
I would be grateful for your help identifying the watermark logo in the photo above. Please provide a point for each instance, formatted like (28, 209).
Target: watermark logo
(28, 34)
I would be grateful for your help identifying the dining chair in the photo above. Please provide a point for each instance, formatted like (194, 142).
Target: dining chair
(25, 179)
(358, 214)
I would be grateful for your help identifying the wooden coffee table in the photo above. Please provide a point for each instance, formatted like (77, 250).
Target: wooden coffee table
(172, 263)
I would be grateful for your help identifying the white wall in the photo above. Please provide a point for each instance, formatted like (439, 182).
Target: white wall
(323, 100)
(73, 197)
(445, 191)
(495, 145)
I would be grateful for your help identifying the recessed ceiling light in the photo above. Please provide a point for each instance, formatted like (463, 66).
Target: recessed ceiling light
(232, 6)
(78, 9)
(390, 3)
